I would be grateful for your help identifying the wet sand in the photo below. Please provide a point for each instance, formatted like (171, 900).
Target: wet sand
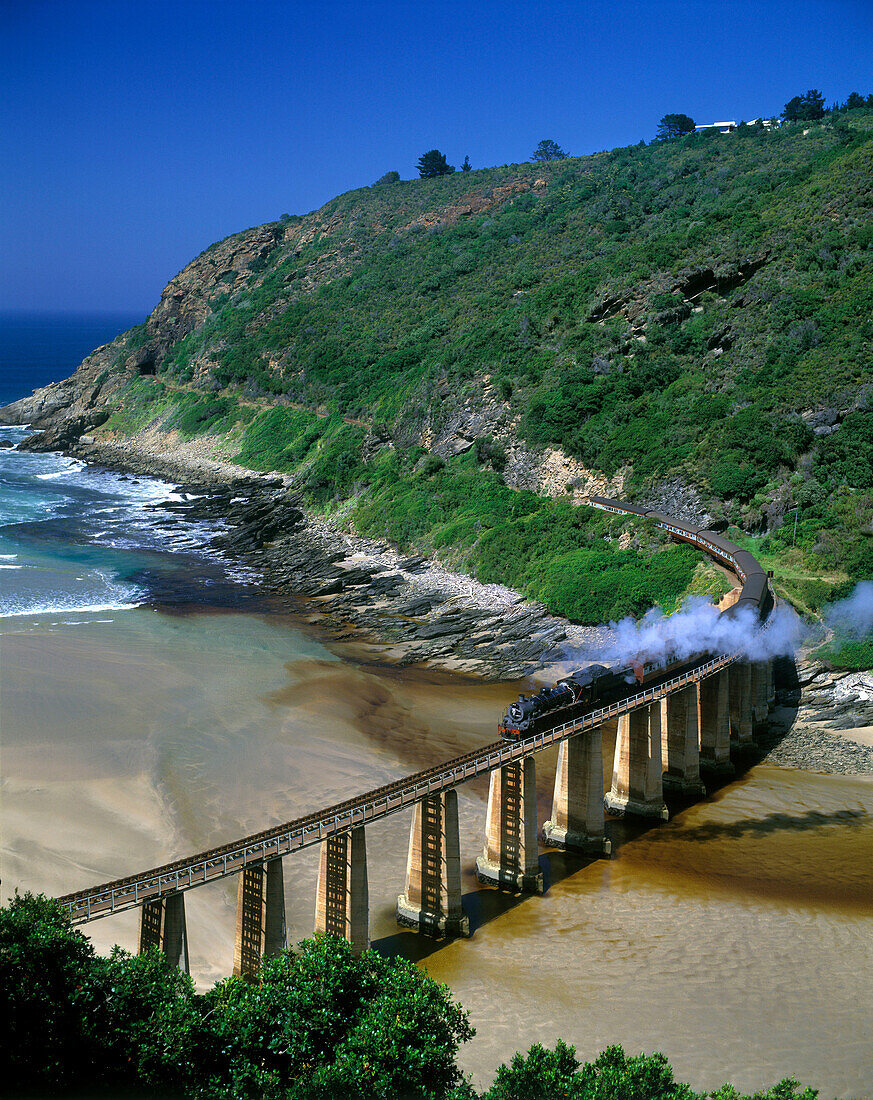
(737, 938)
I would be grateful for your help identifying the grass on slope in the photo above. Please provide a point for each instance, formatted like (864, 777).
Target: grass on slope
(463, 513)
(846, 653)
(567, 557)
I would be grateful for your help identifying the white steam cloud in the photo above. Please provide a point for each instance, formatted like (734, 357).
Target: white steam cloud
(853, 616)
(696, 629)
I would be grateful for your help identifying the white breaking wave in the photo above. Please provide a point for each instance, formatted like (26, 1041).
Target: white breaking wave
(71, 466)
(55, 610)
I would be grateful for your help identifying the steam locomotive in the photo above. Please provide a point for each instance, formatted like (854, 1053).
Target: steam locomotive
(571, 697)
(568, 699)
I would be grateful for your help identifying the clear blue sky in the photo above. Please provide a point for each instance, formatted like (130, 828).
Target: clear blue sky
(139, 131)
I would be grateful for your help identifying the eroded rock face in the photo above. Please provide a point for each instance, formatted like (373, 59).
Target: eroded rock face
(224, 268)
(453, 427)
(62, 411)
(676, 497)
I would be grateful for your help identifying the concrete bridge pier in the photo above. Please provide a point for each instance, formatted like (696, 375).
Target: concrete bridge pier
(510, 859)
(260, 917)
(771, 682)
(681, 742)
(760, 692)
(637, 785)
(342, 906)
(162, 927)
(432, 902)
(577, 821)
(715, 724)
(741, 704)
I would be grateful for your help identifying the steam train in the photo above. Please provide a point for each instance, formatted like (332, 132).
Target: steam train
(571, 697)
(567, 699)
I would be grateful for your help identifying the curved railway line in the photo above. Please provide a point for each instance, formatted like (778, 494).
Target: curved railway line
(227, 859)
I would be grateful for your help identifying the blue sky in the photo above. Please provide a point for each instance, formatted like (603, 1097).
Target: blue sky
(136, 133)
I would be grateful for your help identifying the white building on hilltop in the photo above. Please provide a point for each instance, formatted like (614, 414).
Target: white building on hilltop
(729, 127)
(722, 127)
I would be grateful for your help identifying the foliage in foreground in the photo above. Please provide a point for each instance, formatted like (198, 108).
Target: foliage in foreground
(320, 1024)
(546, 1074)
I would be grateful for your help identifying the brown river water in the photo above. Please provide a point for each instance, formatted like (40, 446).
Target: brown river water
(737, 938)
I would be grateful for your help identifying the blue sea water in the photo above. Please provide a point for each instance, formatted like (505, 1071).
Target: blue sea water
(38, 348)
(76, 538)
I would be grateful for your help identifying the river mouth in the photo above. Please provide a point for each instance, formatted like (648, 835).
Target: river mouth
(736, 937)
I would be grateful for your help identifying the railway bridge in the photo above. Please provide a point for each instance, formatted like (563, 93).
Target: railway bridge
(669, 735)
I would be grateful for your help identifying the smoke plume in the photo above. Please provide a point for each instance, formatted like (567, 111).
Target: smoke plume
(853, 616)
(698, 628)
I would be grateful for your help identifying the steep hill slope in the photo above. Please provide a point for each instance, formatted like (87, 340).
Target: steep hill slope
(688, 323)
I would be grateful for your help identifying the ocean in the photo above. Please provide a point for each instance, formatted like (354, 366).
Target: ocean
(39, 348)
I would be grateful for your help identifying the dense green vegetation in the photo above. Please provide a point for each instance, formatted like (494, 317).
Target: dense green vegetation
(846, 653)
(319, 1024)
(696, 309)
(461, 511)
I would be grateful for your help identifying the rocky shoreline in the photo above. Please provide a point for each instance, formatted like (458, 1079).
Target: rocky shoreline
(824, 721)
(414, 610)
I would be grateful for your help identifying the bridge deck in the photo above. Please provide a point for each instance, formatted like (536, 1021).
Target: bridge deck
(127, 893)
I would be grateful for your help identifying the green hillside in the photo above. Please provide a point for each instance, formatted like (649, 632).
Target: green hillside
(696, 312)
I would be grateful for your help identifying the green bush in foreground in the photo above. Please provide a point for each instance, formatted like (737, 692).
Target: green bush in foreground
(548, 1074)
(320, 1024)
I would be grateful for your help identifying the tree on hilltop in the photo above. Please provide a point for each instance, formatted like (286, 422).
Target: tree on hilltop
(855, 100)
(433, 163)
(673, 126)
(548, 150)
(389, 177)
(809, 107)
(466, 166)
